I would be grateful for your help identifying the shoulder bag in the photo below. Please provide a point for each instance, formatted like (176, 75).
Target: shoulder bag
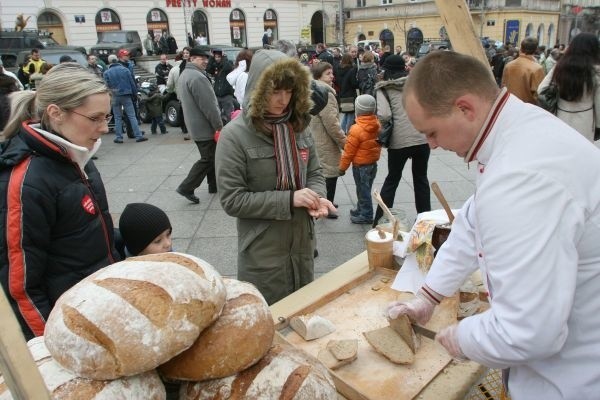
(548, 98)
(388, 127)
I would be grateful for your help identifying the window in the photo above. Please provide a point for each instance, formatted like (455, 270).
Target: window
(386, 2)
(361, 3)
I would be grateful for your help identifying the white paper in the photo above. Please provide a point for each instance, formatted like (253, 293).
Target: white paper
(410, 278)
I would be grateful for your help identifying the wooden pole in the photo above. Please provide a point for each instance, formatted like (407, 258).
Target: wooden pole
(16, 363)
(458, 22)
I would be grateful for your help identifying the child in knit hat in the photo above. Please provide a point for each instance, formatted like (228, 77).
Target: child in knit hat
(145, 229)
(362, 150)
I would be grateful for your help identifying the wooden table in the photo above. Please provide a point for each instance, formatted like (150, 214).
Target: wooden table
(354, 298)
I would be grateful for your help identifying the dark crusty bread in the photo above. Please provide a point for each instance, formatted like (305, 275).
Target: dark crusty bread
(64, 385)
(388, 343)
(284, 373)
(238, 339)
(134, 315)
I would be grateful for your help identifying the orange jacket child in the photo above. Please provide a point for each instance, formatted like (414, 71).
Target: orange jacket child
(363, 151)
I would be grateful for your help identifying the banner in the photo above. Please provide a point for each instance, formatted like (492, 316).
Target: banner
(511, 31)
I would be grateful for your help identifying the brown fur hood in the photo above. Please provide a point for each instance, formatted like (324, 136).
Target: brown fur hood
(269, 66)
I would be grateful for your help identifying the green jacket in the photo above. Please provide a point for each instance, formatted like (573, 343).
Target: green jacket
(275, 240)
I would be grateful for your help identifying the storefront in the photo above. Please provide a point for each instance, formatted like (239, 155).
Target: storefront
(224, 22)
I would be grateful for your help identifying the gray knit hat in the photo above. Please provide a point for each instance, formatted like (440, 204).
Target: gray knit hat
(364, 104)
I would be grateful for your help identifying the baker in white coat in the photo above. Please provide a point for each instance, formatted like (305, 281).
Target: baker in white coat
(532, 228)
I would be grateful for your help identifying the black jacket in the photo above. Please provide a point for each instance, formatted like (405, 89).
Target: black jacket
(220, 70)
(162, 73)
(55, 227)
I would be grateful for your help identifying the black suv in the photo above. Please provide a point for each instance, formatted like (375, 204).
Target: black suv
(110, 42)
(14, 42)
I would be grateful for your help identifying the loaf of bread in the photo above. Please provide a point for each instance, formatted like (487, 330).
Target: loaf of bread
(284, 373)
(338, 353)
(238, 339)
(135, 315)
(389, 343)
(311, 327)
(64, 385)
(403, 327)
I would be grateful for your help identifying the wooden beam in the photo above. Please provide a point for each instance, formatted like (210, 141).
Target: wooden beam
(16, 363)
(456, 17)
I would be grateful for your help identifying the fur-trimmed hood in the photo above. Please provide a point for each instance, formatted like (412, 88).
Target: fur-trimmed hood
(269, 66)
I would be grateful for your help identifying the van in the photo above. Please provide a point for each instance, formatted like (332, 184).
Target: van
(374, 44)
(14, 42)
(110, 42)
(432, 45)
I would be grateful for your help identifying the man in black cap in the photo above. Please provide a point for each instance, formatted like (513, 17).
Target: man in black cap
(203, 119)
(219, 67)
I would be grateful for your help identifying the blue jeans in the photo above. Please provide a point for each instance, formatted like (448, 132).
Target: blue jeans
(158, 120)
(129, 111)
(347, 121)
(363, 179)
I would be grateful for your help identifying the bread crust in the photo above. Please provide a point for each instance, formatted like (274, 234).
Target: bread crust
(284, 373)
(237, 340)
(134, 315)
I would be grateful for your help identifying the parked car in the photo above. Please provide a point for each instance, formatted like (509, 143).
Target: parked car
(12, 43)
(429, 46)
(52, 56)
(110, 42)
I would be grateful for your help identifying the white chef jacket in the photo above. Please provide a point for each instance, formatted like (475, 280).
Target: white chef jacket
(533, 229)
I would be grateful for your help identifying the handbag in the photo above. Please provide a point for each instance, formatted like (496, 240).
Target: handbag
(548, 98)
(385, 134)
(347, 104)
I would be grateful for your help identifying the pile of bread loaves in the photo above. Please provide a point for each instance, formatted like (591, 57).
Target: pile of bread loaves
(171, 315)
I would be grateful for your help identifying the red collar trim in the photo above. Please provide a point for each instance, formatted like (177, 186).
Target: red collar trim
(487, 127)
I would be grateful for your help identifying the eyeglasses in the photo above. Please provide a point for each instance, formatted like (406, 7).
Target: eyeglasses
(97, 120)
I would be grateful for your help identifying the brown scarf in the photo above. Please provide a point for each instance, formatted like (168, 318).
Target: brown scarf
(289, 174)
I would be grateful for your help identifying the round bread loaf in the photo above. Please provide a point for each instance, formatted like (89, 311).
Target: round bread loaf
(284, 373)
(238, 339)
(64, 385)
(133, 316)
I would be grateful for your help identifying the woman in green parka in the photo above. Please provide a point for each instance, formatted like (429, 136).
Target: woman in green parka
(270, 179)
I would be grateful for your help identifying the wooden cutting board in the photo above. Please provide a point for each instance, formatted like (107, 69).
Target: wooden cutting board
(362, 308)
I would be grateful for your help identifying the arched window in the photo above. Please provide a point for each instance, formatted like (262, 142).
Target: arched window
(387, 39)
(107, 20)
(50, 22)
(541, 37)
(551, 35)
(237, 27)
(414, 39)
(529, 30)
(157, 21)
(270, 25)
(200, 25)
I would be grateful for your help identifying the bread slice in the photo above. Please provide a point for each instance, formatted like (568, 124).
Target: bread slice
(344, 349)
(388, 343)
(403, 327)
(311, 326)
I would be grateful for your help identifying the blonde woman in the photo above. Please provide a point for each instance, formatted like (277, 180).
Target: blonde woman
(55, 224)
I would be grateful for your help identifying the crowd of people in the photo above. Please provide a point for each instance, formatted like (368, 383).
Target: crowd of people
(274, 133)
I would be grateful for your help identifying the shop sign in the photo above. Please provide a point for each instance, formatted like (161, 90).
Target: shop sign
(108, 27)
(194, 3)
(511, 31)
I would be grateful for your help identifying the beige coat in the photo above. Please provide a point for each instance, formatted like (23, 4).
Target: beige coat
(582, 115)
(328, 134)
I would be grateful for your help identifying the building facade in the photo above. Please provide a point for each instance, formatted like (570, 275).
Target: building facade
(226, 22)
(408, 23)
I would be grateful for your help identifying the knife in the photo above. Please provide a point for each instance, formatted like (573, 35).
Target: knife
(424, 331)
